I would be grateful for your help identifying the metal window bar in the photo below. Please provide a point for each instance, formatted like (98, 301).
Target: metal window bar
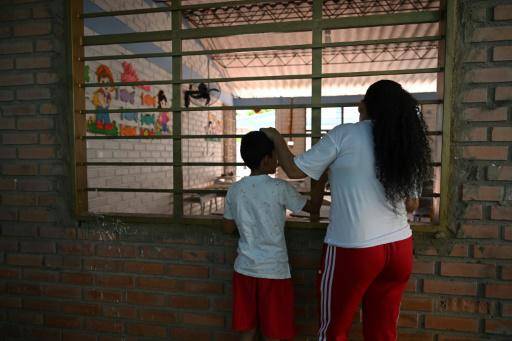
(177, 34)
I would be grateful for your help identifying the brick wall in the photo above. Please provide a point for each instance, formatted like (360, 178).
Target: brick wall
(107, 280)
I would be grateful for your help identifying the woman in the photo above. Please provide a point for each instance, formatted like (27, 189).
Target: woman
(375, 169)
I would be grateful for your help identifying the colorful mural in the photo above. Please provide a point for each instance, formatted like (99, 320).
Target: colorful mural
(130, 123)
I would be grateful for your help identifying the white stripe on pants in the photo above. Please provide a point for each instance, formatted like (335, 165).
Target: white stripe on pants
(325, 291)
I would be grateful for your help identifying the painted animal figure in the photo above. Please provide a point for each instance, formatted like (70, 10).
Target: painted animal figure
(128, 131)
(130, 116)
(147, 119)
(127, 96)
(148, 100)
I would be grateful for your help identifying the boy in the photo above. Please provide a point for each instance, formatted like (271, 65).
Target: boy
(256, 205)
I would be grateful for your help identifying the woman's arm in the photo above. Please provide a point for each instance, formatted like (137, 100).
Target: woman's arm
(412, 204)
(317, 195)
(284, 155)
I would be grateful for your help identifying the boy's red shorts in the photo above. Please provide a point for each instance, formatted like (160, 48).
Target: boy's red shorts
(263, 303)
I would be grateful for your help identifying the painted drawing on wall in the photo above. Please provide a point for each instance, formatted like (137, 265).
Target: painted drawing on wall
(101, 99)
(130, 75)
(162, 123)
(213, 127)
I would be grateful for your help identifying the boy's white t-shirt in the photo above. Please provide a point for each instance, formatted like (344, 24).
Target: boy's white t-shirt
(360, 214)
(258, 206)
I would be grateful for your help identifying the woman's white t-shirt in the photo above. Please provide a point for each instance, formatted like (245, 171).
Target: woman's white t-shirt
(360, 214)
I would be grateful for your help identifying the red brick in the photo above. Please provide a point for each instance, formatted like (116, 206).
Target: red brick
(47, 78)
(188, 271)
(130, 251)
(143, 298)
(210, 320)
(44, 45)
(28, 138)
(226, 304)
(503, 93)
(493, 251)
(75, 248)
(24, 289)
(11, 47)
(502, 53)
(475, 95)
(30, 94)
(502, 134)
(190, 334)
(35, 215)
(506, 273)
(103, 295)
(493, 33)
(86, 309)
(158, 316)
(103, 265)
(14, 79)
(500, 326)
(485, 152)
(415, 336)
(77, 336)
(7, 184)
(9, 273)
(451, 323)
(473, 211)
(503, 12)
(407, 320)
(416, 303)
(19, 230)
(10, 302)
(38, 152)
(462, 305)
(498, 290)
(114, 281)
(8, 214)
(63, 291)
(47, 200)
(33, 62)
(144, 267)
(24, 260)
(19, 169)
(20, 110)
(42, 305)
(77, 278)
(26, 317)
(63, 262)
(35, 185)
(7, 123)
(48, 109)
(468, 270)
(195, 255)
(14, 14)
(18, 200)
(32, 29)
(501, 213)
(6, 95)
(105, 326)
(499, 173)
(62, 321)
(204, 287)
(474, 134)
(41, 11)
(40, 275)
(35, 123)
(146, 330)
(6, 64)
(489, 75)
(119, 311)
(479, 231)
(189, 302)
(449, 287)
(38, 247)
(489, 193)
(57, 232)
(506, 309)
(159, 252)
(423, 267)
(7, 153)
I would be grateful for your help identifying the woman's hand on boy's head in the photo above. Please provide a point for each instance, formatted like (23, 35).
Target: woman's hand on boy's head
(272, 133)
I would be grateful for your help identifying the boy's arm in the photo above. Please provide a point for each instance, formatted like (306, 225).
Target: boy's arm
(229, 226)
(317, 195)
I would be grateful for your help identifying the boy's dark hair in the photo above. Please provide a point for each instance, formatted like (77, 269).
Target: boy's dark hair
(255, 145)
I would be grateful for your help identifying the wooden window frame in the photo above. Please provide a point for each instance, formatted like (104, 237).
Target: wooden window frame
(446, 16)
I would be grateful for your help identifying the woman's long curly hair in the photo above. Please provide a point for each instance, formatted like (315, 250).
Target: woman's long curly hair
(401, 145)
